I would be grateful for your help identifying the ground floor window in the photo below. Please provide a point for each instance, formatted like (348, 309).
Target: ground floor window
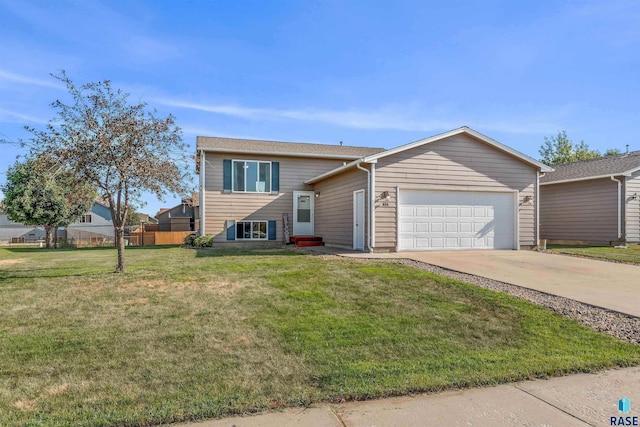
(251, 230)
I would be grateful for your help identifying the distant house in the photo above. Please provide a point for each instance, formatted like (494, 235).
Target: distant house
(12, 232)
(94, 228)
(183, 217)
(592, 201)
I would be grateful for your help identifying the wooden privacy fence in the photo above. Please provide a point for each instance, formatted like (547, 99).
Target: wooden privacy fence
(151, 238)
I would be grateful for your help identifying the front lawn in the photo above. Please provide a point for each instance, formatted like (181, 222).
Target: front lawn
(189, 334)
(628, 255)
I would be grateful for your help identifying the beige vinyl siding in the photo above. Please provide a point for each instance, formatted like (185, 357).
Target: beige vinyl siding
(334, 207)
(582, 210)
(220, 207)
(632, 208)
(458, 162)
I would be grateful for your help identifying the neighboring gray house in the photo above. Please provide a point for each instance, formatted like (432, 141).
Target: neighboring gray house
(12, 232)
(456, 190)
(183, 217)
(94, 228)
(592, 201)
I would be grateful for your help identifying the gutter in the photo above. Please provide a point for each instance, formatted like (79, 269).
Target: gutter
(369, 249)
(587, 178)
(618, 201)
(281, 153)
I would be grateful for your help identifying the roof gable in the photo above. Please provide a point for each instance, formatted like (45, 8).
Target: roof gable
(620, 164)
(463, 130)
(101, 210)
(295, 149)
(468, 131)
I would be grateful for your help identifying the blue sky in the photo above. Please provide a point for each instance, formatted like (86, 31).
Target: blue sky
(369, 73)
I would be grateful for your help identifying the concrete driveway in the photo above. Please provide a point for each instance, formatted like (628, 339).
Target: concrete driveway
(600, 283)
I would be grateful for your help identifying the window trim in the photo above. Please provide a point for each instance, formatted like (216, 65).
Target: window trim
(266, 234)
(233, 176)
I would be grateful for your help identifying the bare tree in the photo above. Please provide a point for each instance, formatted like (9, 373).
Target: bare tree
(122, 149)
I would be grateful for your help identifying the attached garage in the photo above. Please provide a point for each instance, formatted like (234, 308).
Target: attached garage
(453, 191)
(446, 220)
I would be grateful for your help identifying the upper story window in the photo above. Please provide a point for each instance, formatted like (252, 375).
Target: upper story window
(86, 218)
(251, 176)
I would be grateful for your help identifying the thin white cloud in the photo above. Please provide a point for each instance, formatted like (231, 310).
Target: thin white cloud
(8, 116)
(27, 80)
(402, 119)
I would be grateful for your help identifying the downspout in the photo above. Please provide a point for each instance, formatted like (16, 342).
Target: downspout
(202, 181)
(538, 176)
(373, 204)
(619, 208)
(369, 219)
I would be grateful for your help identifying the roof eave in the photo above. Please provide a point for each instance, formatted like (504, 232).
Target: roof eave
(279, 153)
(587, 178)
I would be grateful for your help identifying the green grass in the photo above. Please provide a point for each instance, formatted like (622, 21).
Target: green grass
(629, 255)
(189, 334)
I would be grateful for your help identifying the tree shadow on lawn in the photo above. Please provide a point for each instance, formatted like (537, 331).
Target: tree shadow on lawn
(226, 252)
(91, 249)
(29, 273)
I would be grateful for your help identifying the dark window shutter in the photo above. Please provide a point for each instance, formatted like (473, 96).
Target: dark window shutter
(226, 175)
(231, 229)
(275, 177)
(271, 230)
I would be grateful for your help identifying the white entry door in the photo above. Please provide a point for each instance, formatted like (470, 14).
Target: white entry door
(358, 219)
(303, 213)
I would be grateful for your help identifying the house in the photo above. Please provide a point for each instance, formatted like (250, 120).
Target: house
(183, 217)
(456, 190)
(13, 232)
(592, 201)
(94, 228)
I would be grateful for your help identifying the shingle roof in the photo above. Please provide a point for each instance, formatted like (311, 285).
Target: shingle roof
(231, 145)
(604, 166)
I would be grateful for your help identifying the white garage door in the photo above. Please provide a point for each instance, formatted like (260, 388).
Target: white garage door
(441, 220)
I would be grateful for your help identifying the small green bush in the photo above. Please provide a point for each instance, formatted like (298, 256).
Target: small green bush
(203, 242)
(189, 240)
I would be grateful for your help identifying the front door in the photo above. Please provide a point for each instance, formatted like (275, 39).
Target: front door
(303, 213)
(358, 219)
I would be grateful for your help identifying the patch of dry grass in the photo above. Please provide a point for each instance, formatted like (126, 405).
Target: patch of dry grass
(193, 334)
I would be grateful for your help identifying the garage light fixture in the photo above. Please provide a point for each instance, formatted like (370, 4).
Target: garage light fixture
(385, 196)
(527, 200)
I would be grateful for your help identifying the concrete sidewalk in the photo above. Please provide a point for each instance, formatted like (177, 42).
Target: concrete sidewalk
(575, 400)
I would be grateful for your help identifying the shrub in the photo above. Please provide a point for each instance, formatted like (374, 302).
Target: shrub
(203, 242)
(189, 240)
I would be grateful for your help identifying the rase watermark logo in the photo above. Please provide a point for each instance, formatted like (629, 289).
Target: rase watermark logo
(624, 407)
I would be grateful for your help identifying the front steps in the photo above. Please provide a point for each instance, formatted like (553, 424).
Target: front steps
(302, 241)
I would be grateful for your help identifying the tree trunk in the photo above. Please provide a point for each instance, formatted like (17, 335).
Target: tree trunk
(120, 246)
(47, 236)
(55, 237)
